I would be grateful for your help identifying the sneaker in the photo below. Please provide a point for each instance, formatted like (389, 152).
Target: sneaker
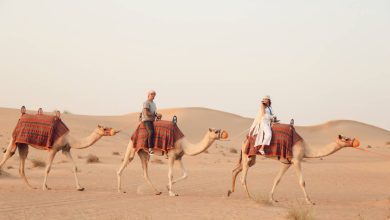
(261, 152)
(151, 152)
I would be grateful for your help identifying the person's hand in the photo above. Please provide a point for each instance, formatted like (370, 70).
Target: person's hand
(159, 116)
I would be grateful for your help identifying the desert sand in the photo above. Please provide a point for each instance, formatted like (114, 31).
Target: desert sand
(349, 184)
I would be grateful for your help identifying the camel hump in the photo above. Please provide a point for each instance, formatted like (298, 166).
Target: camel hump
(39, 130)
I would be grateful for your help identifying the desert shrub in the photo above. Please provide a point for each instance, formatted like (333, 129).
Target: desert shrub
(157, 161)
(67, 112)
(92, 159)
(262, 199)
(38, 163)
(299, 212)
(115, 153)
(233, 150)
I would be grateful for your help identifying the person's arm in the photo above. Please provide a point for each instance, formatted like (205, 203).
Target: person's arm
(146, 110)
(148, 113)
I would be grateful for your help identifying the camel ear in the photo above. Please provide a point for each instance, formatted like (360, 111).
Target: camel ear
(99, 126)
(340, 136)
(210, 129)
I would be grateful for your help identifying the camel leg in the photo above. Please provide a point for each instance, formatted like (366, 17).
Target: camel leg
(235, 172)
(245, 167)
(277, 179)
(298, 168)
(23, 152)
(170, 176)
(144, 160)
(184, 176)
(7, 154)
(48, 167)
(129, 156)
(70, 158)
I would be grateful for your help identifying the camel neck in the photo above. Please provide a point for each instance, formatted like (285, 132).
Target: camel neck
(316, 152)
(195, 149)
(85, 142)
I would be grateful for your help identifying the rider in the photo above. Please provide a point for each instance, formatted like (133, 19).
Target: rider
(149, 115)
(261, 126)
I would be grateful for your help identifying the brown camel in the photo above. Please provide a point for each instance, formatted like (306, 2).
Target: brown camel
(64, 143)
(181, 147)
(300, 150)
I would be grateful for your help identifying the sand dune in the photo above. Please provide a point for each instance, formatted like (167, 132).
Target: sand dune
(347, 185)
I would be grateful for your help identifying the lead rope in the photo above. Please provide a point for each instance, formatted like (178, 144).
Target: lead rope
(378, 154)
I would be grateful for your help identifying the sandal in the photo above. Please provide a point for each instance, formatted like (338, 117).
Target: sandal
(261, 152)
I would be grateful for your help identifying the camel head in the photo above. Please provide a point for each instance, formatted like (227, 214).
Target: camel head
(347, 142)
(106, 131)
(217, 134)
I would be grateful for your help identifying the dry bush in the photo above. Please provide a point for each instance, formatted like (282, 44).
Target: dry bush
(92, 159)
(4, 174)
(262, 199)
(388, 143)
(369, 146)
(38, 163)
(206, 152)
(298, 211)
(67, 112)
(233, 150)
(10, 167)
(157, 161)
(115, 153)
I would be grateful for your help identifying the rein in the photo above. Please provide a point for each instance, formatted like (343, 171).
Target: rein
(236, 136)
(378, 154)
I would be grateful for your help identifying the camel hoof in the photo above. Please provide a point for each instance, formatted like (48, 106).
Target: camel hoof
(81, 189)
(273, 202)
(173, 194)
(310, 203)
(229, 193)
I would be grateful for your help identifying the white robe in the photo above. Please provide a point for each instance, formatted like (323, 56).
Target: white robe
(261, 127)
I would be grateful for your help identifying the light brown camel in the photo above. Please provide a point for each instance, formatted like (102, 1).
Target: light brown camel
(64, 143)
(300, 150)
(181, 147)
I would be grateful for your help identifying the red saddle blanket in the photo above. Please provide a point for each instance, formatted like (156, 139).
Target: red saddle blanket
(166, 133)
(283, 139)
(40, 131)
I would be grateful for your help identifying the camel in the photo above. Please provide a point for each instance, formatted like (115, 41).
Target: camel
(181, 147)
(301, 150)
(64, 143)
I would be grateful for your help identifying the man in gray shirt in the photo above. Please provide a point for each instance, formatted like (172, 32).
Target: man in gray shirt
(149, 115)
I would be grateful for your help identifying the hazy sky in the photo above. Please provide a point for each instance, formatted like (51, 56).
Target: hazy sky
(319, 60)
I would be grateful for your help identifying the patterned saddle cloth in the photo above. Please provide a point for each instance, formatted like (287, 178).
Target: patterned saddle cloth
(39, 131)
(166, 133)
(284, 136)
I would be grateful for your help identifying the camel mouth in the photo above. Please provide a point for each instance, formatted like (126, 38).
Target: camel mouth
(224, 135)
(114, 132)
(355, 143)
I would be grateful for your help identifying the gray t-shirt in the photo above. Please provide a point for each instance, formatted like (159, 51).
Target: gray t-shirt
(152, 109)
